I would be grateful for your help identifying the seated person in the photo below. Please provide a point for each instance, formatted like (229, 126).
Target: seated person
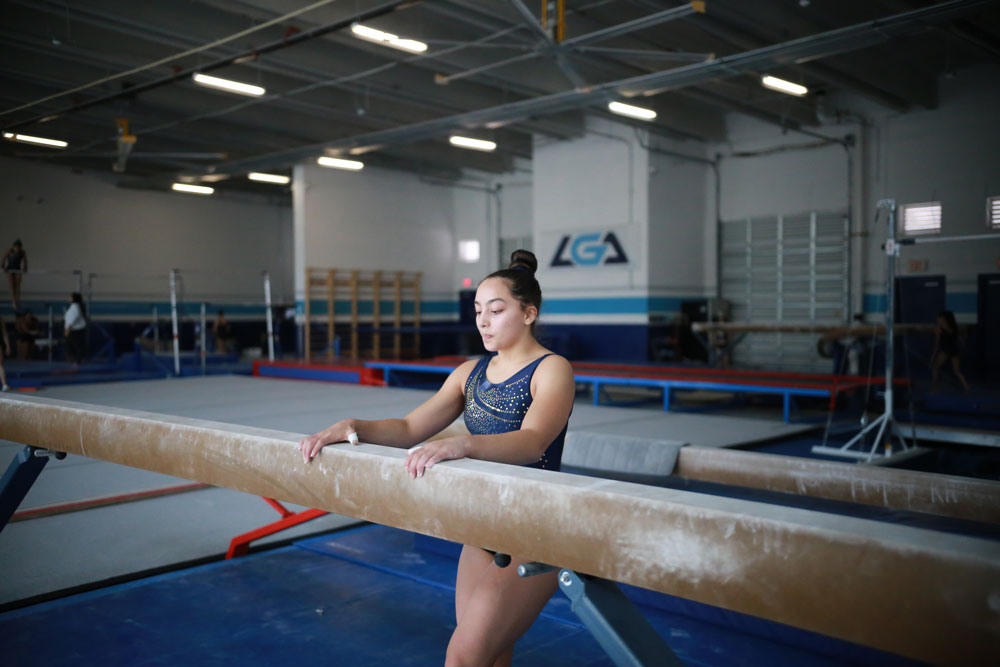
(28, 331)
(222, 330)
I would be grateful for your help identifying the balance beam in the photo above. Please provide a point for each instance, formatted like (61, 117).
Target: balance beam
(831, 331)
(932, 493)
(921, 594)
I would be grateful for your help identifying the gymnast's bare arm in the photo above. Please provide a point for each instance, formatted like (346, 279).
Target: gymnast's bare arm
(432, 416)
(552, 392)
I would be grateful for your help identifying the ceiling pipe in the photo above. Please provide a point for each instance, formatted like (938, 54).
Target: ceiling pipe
(381, 10)
(796, 51)
(297, 71)
(573, 43)
(163, 61)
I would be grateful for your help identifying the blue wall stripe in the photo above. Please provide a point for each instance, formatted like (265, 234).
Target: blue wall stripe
(959, 302)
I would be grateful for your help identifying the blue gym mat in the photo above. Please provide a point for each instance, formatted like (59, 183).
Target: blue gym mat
(363, 596)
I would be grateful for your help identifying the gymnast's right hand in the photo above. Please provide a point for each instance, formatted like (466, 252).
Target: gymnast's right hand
(339, 432)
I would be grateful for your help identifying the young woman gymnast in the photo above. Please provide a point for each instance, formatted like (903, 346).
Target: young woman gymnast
(516, 405)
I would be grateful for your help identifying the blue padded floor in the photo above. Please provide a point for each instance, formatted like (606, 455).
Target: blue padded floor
(357, 597)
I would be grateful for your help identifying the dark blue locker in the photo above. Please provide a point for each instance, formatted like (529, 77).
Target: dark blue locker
(988, 327)
(919, 299)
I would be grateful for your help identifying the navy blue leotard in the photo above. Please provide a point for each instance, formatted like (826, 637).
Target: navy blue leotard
(500, 408)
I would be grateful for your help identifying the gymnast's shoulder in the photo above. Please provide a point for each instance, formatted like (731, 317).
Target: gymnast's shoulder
(553, 367)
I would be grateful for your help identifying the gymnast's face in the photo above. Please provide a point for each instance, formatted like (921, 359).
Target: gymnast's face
(501, 320)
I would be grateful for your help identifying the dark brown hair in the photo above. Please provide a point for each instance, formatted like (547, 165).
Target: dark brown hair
(520, 277)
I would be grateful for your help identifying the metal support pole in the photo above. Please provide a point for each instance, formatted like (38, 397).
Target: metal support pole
(621, 630)
(886, 421)
(156, 330)
(173, 321)
(21, 474)
(88, 298)
(51, 325)
(891, 253)
(269, 316)
(203, 340)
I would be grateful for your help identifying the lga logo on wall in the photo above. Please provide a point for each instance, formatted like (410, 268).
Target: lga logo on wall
(590, 249)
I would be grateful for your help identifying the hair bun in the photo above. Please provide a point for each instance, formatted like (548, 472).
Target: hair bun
(524, 260)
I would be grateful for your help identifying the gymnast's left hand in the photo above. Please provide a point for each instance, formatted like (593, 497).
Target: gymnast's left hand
(425, 456)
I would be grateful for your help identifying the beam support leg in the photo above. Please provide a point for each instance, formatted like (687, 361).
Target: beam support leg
(21, 474)
(621, 630)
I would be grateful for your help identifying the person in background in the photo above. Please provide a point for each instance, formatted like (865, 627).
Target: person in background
(15, 265)
(75, 325)
(222, 330)
(4, 352)
(28, 331)
(946, 348)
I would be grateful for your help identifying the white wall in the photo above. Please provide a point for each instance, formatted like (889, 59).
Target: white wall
(489, 207)
(376, 219)
(593, 184)
(131, 238)
(794, 179)
(680, 215)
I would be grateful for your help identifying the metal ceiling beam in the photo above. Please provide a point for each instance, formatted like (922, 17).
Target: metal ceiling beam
(381, 10)
(318, 79)
(558, 51)
(554, 49)
(796, 51)
(634, 25)
(728, 30)
(645, 54)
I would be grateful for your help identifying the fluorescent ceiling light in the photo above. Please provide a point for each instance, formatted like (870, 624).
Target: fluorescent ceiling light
(468, 251)
(387, 39)
(227, 85)
(623, 109)
(41, 141)
(268, 178)
(194, 189)
(340, 163)
(474, 144)
(774, 83)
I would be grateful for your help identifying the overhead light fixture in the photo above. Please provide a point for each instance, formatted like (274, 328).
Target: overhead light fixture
(268, 178)
(387, 39)
(782, 86)
(41, 141)
(340, 163)
(623, 109)
(227, 85)
(193, 189)
(468, 251)
(474, 144)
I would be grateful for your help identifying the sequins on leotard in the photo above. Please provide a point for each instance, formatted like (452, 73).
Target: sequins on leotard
(500, 408)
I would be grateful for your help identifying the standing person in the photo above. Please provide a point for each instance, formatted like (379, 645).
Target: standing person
(15, 265)
(946, 348)
(4, 352)
(76, 323)
(222, 330)
(517, 405)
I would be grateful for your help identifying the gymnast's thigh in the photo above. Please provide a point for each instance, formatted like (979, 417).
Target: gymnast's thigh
(496, 607)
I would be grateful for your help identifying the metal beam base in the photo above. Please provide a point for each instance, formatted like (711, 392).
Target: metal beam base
(21, 474)
(621, 630)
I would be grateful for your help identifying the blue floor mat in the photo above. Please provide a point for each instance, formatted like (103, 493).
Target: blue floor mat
(357, 597)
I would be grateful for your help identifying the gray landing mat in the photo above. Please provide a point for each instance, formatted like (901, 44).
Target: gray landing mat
(597, 422)
(53, 553)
